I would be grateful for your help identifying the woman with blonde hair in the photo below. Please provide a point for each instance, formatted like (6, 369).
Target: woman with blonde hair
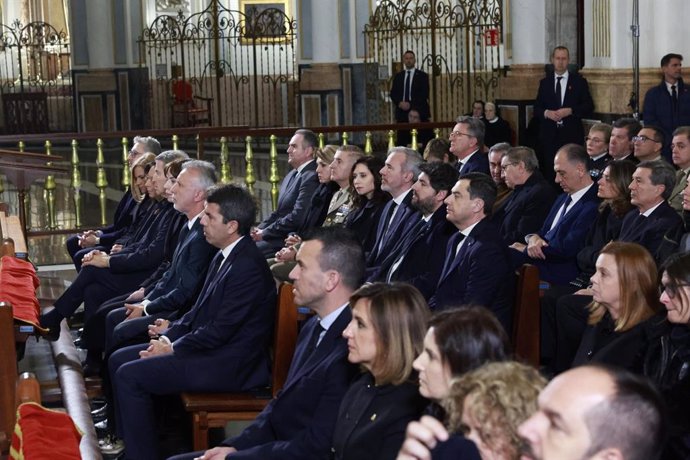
(384, 337)
(488, 404)
(625, 298)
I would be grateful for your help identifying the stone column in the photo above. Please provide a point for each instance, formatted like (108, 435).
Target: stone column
(100, 34)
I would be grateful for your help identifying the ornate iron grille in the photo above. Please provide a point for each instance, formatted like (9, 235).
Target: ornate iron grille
(242, 61)
(457, 42)
(35, 78)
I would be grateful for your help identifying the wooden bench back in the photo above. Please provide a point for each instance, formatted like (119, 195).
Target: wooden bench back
(285, 339)
(8, 376)
(526, 315)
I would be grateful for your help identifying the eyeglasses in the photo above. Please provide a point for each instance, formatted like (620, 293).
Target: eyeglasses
(596, 140)
(671, 290)
(504, 167)
(642, 139)
(458, 133)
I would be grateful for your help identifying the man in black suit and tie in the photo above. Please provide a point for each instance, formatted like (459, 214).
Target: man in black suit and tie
(299, 422)
(621, 141)
(221, 344)
(418, 258)
(295, 195)
(410, 88)
(130, 315)
(398, 216)
(563, 100)
(466, 142)
(477, 266)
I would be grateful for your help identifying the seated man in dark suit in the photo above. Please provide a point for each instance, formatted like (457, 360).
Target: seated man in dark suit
(621, 141)
(295, 195)
(398, 216)
(477, 265)
(103, 238)
(179, 285)
(466, 143)
(554, 248)
(221, 344)
(654, 224)
(418, 258)
(299, 422)
(104, 276)
(526, 209)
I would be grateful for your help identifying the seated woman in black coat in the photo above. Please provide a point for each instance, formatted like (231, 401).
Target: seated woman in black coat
(367, 202)
(667, 362)
(384, 336)
(625, 302)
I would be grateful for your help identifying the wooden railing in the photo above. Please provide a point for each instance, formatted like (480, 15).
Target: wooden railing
(240, 146)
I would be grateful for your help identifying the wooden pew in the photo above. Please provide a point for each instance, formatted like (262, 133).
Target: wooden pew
(215, 410)
(526, 316)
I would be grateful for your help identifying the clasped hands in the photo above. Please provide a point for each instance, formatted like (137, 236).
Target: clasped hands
(558, 115)
(535, 247)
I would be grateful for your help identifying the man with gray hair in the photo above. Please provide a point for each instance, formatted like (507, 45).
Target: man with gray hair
(398, 216)
(466, 143)
(496, 153)
(654, 224)
(526, 210)
(104, 238)
(130, 314)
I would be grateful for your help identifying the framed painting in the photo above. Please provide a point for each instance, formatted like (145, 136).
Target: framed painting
(266, 21)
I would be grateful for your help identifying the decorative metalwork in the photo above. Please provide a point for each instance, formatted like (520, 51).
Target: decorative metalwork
(126, 173)
(274, 178)
(413, 144)
(101, 181)
(322, 140)
(225, 174)
(244, 64)
(457, 42)
(50, 186)
(249, 178)
(391, 139)
(35, 78)
(75, 183)
(345, 138)
(368, 146)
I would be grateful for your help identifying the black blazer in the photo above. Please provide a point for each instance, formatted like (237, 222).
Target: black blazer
(403, 220)
(457, 447)
(526, 209)
(372, 419)
(364, 222)
(478, 162)
(577, 97)
(419, 94)
(663, 223)
(299, 422)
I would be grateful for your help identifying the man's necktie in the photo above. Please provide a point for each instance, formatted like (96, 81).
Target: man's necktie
(568, 200)
(312, 344)
(408, 85)
(558, 91)
(674, 96)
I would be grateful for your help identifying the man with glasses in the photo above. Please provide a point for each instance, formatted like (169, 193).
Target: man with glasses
(597, 142)
(680, 148)
(526, 210)
(466, 142)
(648, 144)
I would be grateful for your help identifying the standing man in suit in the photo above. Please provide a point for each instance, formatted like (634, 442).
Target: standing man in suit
(667, 105)
(466, 142)
(563, 100)
(295, 195)
(221, 344)
(477, 266)
(418, 258)
(621, 141)
(299, 422)
(554, 248)
(410, 88)
(397, 176)
(526, 209)
(680, 149)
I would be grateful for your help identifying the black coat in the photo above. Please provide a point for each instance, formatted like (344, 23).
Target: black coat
(372, 419)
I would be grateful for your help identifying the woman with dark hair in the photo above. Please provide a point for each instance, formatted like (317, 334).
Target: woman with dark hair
(457, 341)
(384, 336)
(367, 202)
(625, 298)
(667, 362)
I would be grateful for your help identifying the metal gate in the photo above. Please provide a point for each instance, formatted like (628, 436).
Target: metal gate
(222, 67)
(457, 42)
(35, 79)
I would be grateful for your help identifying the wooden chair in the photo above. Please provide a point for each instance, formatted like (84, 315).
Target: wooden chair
(188, 109)
(526, 315)
(214, 410)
